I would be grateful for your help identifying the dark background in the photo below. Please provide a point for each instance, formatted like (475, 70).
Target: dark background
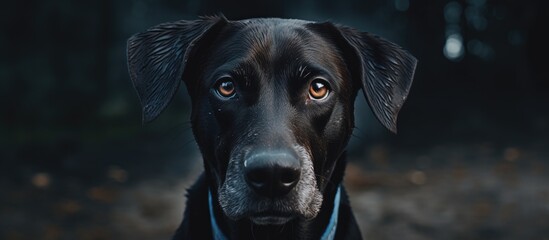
(470, 160)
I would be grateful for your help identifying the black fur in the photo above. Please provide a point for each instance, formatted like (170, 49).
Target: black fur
(272, 63)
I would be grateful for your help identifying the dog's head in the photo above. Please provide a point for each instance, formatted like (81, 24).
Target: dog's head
(272, 102)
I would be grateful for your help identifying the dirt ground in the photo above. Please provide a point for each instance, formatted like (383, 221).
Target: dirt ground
(446, 191)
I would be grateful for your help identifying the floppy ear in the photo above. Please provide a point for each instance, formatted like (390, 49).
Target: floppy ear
(157, 59)
(383, 69)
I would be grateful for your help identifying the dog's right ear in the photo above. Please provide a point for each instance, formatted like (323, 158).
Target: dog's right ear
(158, 56)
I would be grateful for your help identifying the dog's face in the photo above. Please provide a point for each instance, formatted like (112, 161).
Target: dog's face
(272, 102)
(271, 92)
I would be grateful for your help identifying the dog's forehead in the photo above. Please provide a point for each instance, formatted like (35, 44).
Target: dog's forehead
(274, 45)
(276, 37)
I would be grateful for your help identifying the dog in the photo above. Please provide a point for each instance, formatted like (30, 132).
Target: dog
(272, 112)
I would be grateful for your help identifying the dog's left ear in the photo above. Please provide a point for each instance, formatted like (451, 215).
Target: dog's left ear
(382, 69)
(158, 56)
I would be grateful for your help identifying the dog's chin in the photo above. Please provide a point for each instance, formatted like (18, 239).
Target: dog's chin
(271, 219)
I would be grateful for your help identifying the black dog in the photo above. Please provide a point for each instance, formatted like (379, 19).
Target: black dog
(272, 112)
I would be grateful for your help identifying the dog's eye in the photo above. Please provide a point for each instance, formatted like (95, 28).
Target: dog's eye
(225, 87)
(319, 89)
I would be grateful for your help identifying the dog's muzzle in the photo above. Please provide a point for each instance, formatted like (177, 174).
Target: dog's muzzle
(270, 186)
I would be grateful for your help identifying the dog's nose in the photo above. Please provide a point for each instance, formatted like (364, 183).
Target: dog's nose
(272, 173)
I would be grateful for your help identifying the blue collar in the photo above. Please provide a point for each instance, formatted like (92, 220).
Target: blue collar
(329, 232)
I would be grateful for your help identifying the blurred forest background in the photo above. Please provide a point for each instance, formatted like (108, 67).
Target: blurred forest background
(471, 160)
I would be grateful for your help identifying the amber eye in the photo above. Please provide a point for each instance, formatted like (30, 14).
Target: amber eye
(225, 87)
(319, 89)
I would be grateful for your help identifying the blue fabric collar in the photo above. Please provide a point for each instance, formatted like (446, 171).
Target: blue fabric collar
(217, 234)
(329, 232)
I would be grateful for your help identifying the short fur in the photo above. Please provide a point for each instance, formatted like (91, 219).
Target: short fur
(272, 63)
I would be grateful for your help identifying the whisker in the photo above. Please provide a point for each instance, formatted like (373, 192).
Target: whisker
(326, 180)
(282, 228)
(252, 229)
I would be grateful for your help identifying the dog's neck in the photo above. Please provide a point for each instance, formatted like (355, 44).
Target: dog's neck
(296, 229)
